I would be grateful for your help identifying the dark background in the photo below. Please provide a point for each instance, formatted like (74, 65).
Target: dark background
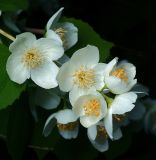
(131, 26)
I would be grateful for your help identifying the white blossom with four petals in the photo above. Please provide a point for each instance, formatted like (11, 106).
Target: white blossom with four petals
(90, 108)
(119, 78)
(66, 122)
(98, 136)
(65, 32)
(121, 104)
(32, 58)
(82, 74)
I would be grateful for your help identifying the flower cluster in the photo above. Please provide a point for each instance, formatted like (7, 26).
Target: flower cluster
(101, 96)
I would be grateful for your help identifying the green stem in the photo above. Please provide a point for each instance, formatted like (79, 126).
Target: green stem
(108, 99)
(104, 87)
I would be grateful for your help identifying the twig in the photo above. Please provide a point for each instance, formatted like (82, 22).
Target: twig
(41, 148)
(35, 30)
(32, 146)
(7, 35)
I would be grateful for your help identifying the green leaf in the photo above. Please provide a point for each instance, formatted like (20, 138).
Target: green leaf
(12, 5)
(9, 91)
(86, 35)
(4, 118)
(19, 128)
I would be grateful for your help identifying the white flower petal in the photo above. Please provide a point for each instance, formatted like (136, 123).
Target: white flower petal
(108, 123)
(92, 132)
(110, 66)
(76, 92)
(88, 121)
(46, 100)
(117, 86)
(87, 56)
(123, 103)
(22, 42)
(140, 90)
(69, 134)
(78, 108)
(54, 19)
(51, 34)
(138, 111)
(100, 72)
(16, 69)
(71, 34)
(117, 134)
(45, 75)
(66, 116)
(50, 48)
(49, 125)
(129, 68)
(100, 145)
(81, 98)
(148, 121)
(64, 77)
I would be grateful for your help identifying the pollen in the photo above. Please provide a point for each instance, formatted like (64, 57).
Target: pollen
(121, 74)
(67, 127)
(32, 58)
(101, 132)
(61, 32)
(84, 78)
(92, 107)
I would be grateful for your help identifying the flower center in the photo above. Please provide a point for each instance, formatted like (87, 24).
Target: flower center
(84, 78)
(61, 32)
(101, 132)
(68, 126)
(32, 58)
(92, 107)
(121, 74)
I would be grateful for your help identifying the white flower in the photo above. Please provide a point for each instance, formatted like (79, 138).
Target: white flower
(82, 74)
(150, 120)
(32, 58)
(120, 78)
(98, 136)
(90, 108)
(121, 104)
(66, 122)
(138, 112)
(140, 90)
(65, 32)
(47, 99)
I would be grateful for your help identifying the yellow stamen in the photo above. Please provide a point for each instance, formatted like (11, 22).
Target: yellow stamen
(121, 74)
(68, 126)
(119, 118)
(92, 107)
(32, 58)
(101, 132)
(61, 32)
(84, 78)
